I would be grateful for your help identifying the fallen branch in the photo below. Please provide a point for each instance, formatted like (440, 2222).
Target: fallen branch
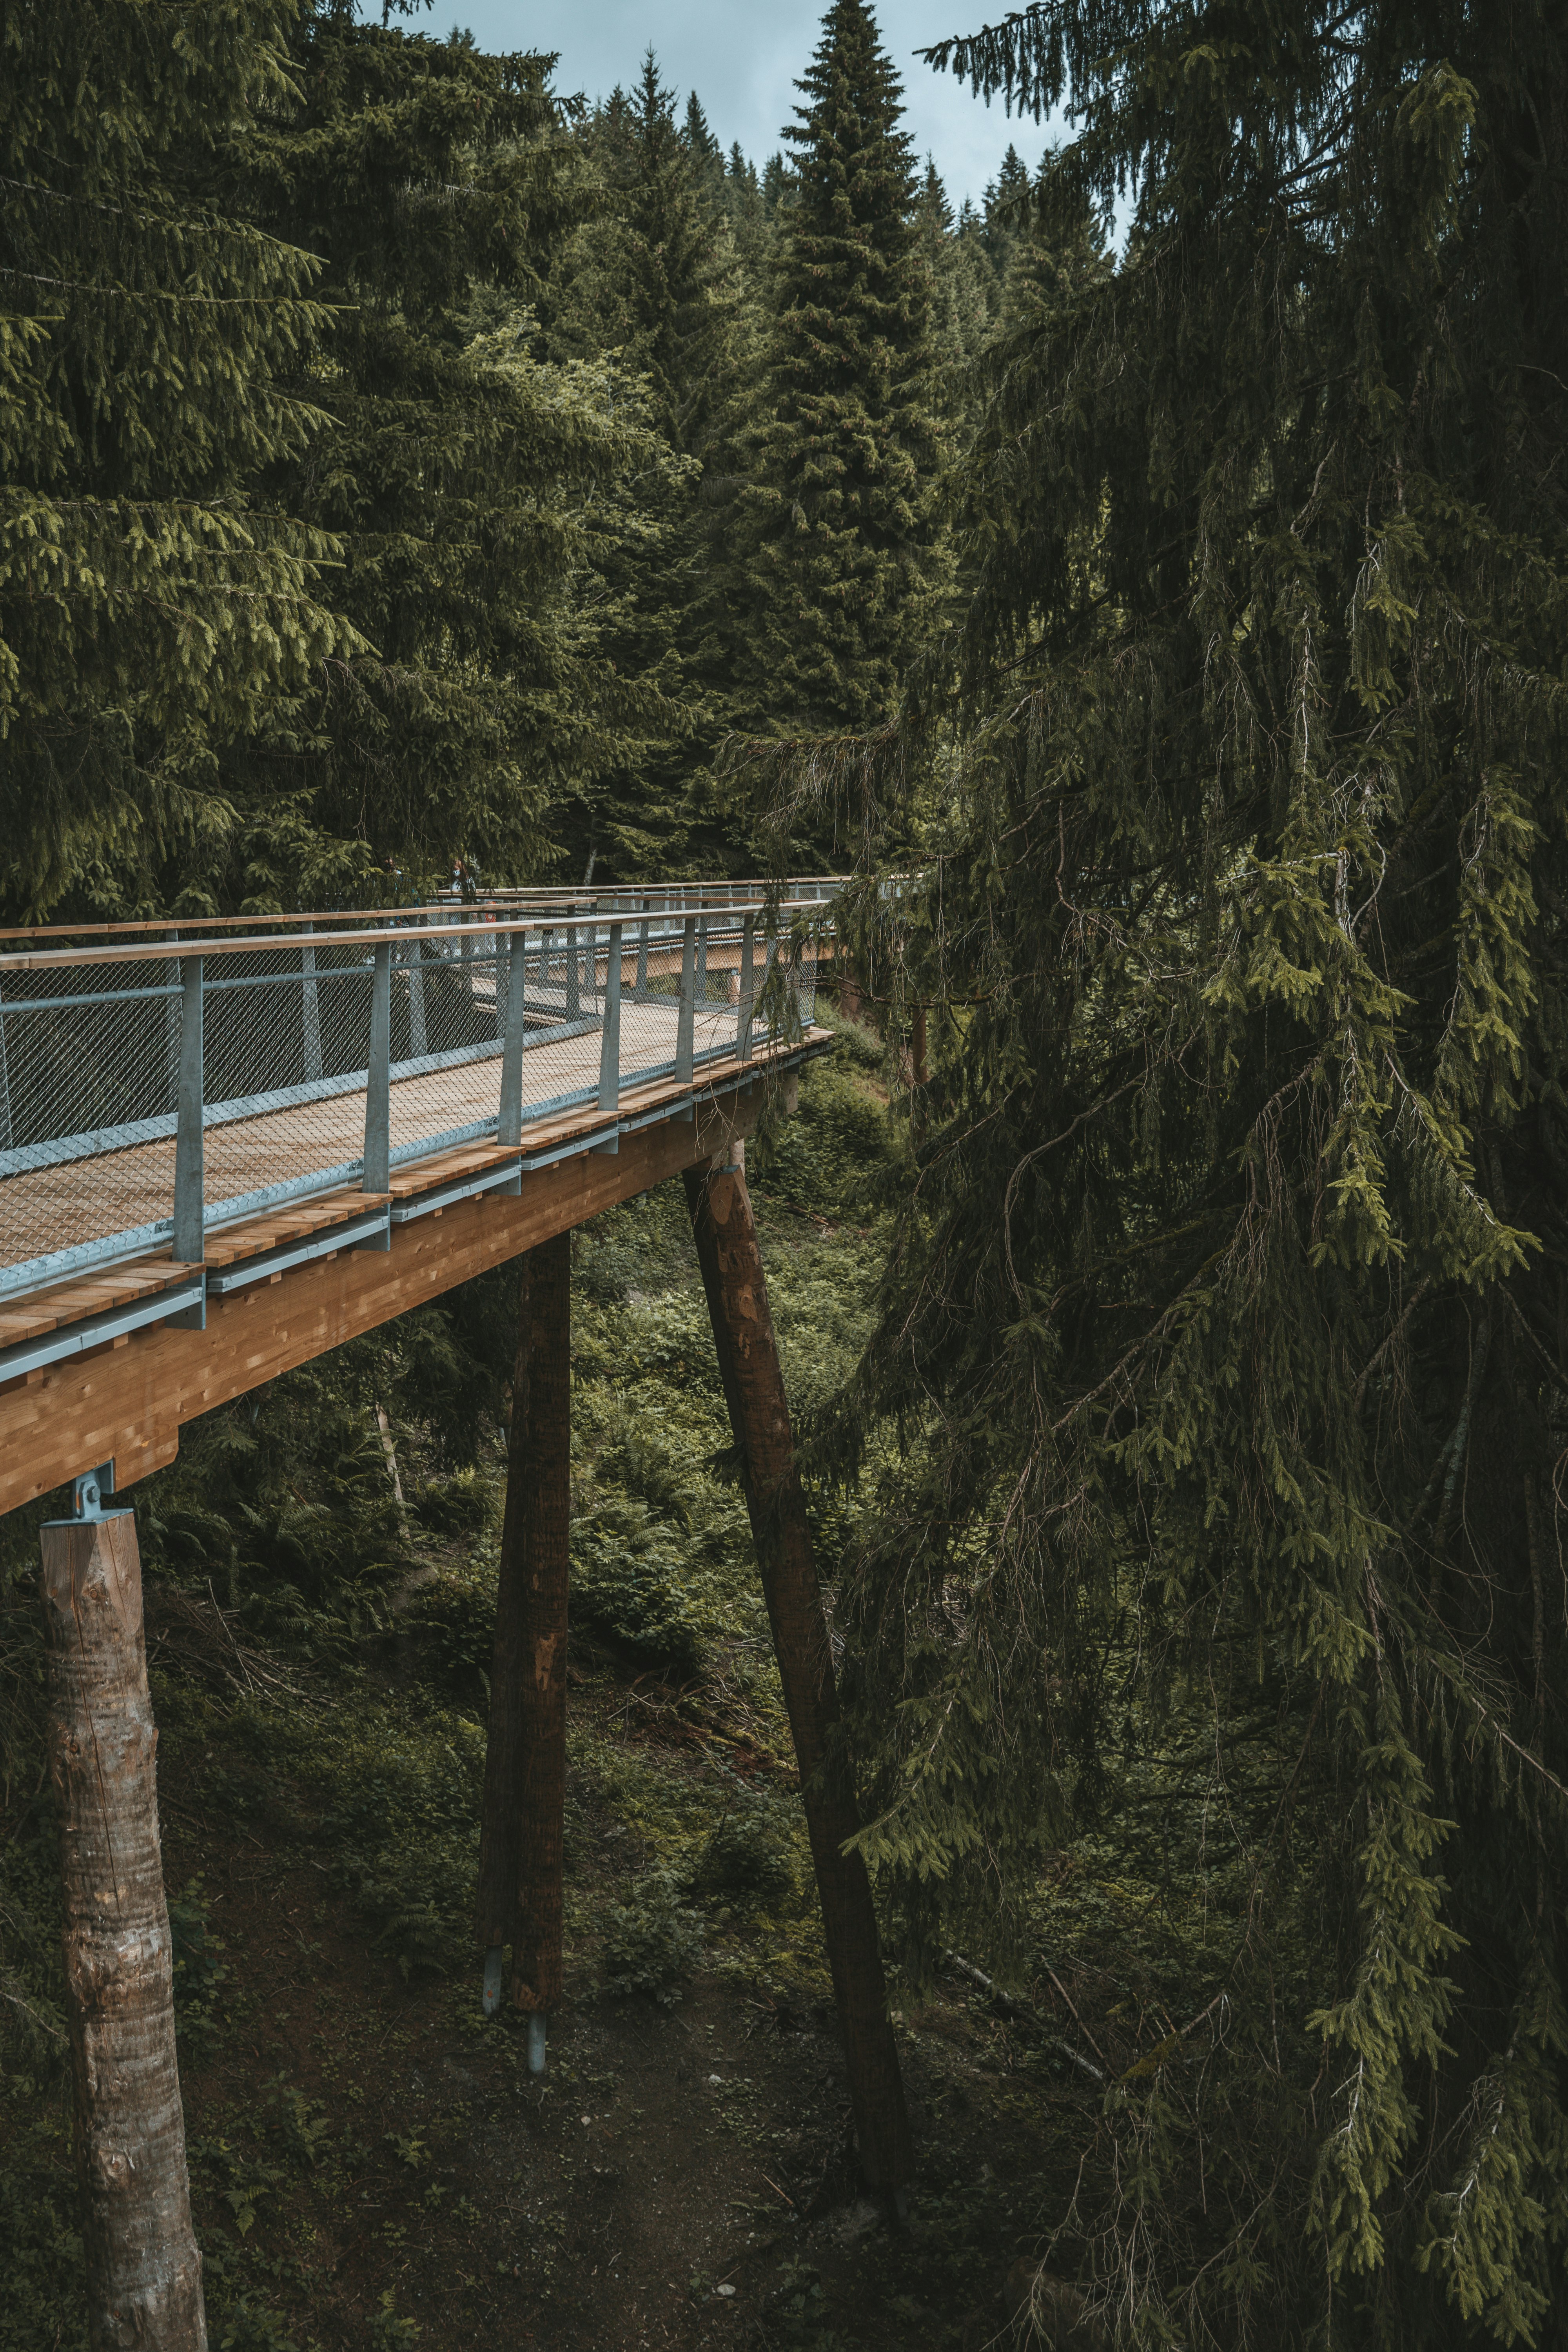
(1025, 2014)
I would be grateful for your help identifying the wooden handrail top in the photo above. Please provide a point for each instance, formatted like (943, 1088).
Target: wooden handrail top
(194, 943)
(552, 895)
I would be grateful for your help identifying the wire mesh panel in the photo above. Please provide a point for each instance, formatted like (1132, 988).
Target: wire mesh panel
(89, 1070)
(432, 1014)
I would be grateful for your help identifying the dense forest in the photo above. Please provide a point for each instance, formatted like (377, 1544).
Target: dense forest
(1147, 586)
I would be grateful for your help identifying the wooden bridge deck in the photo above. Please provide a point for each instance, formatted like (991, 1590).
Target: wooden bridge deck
(330, 1198)
(124, 1399)
(79, 1198)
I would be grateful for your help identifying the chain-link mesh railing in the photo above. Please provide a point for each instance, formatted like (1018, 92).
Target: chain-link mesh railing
(155, 1088)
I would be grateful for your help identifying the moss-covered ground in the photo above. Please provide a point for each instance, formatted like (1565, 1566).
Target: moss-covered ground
(371, 2163)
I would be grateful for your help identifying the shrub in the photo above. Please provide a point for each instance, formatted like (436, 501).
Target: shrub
(652, 1941)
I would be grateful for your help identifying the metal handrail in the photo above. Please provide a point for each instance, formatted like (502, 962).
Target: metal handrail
(96, 1081)
(756, 898)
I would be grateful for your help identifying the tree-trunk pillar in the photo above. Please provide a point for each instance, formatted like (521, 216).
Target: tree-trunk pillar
(520, 1836)
(541, 1749)
(143, 2269)
(736, 1286)
(497, 1898)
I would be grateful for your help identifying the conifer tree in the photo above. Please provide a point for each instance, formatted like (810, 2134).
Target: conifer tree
(832, 556)
(1225, 1337)
(964, 293)
(470, 485)
(706, 156)
(1003, 207)
(154, 599)
(778, 183)
(656, 289)
(743, 205)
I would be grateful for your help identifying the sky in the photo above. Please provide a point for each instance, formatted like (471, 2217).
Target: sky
(744, 58)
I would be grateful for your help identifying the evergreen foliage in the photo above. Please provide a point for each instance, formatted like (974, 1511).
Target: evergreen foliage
(655, 291)
(154, 597)
(473, 488)
(1224, 1337)
(833, 551)
(965, 294)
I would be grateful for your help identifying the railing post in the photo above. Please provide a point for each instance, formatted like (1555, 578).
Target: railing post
(5, 1091)
(545, 942)
(502, 956)
(311, 1015)
(686, 1019)
(417, 1046)
(573, 974)
(509, 1127)
(189, 1174)
(172, 1032)
(639, 994)
(610, 1043)
(770, 957)
(378, 1077)
(702, 960)
(743, 1018)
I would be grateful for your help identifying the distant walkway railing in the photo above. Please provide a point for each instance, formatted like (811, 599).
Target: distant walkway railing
(157, 1084)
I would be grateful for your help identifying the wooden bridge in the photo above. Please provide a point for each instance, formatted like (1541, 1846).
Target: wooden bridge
(226, 1150)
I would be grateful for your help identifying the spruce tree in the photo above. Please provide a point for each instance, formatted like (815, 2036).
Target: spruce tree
(706, 156)
(656, 289)
(1212, 1614)
(963, 294)
(743, 205)
(1004, 203)
(471, 484)
(156, 598)
(833, 555)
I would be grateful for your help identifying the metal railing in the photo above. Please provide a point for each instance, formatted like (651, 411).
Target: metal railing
(157, 1084)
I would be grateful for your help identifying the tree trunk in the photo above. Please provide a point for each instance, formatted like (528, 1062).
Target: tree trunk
(734, 1278)
(541, 1750)
(498, 1814)
(143, 2269)
(519, 1900)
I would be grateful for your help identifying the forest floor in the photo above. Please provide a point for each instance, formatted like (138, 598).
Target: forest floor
(371, 2155)
(373, 2165)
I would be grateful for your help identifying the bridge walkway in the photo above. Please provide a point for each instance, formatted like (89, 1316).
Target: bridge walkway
(329, 1125)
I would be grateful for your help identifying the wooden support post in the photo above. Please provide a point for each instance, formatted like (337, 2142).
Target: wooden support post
(519, 1900)
(736, 1285)
(143, 2269)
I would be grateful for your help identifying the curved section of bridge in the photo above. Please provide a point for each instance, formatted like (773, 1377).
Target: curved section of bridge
(224, 1149)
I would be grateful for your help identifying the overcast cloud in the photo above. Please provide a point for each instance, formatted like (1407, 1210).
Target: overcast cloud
(744, 58)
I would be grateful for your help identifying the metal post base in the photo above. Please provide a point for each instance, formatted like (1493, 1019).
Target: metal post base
(492, 1979)
(536, 2039)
